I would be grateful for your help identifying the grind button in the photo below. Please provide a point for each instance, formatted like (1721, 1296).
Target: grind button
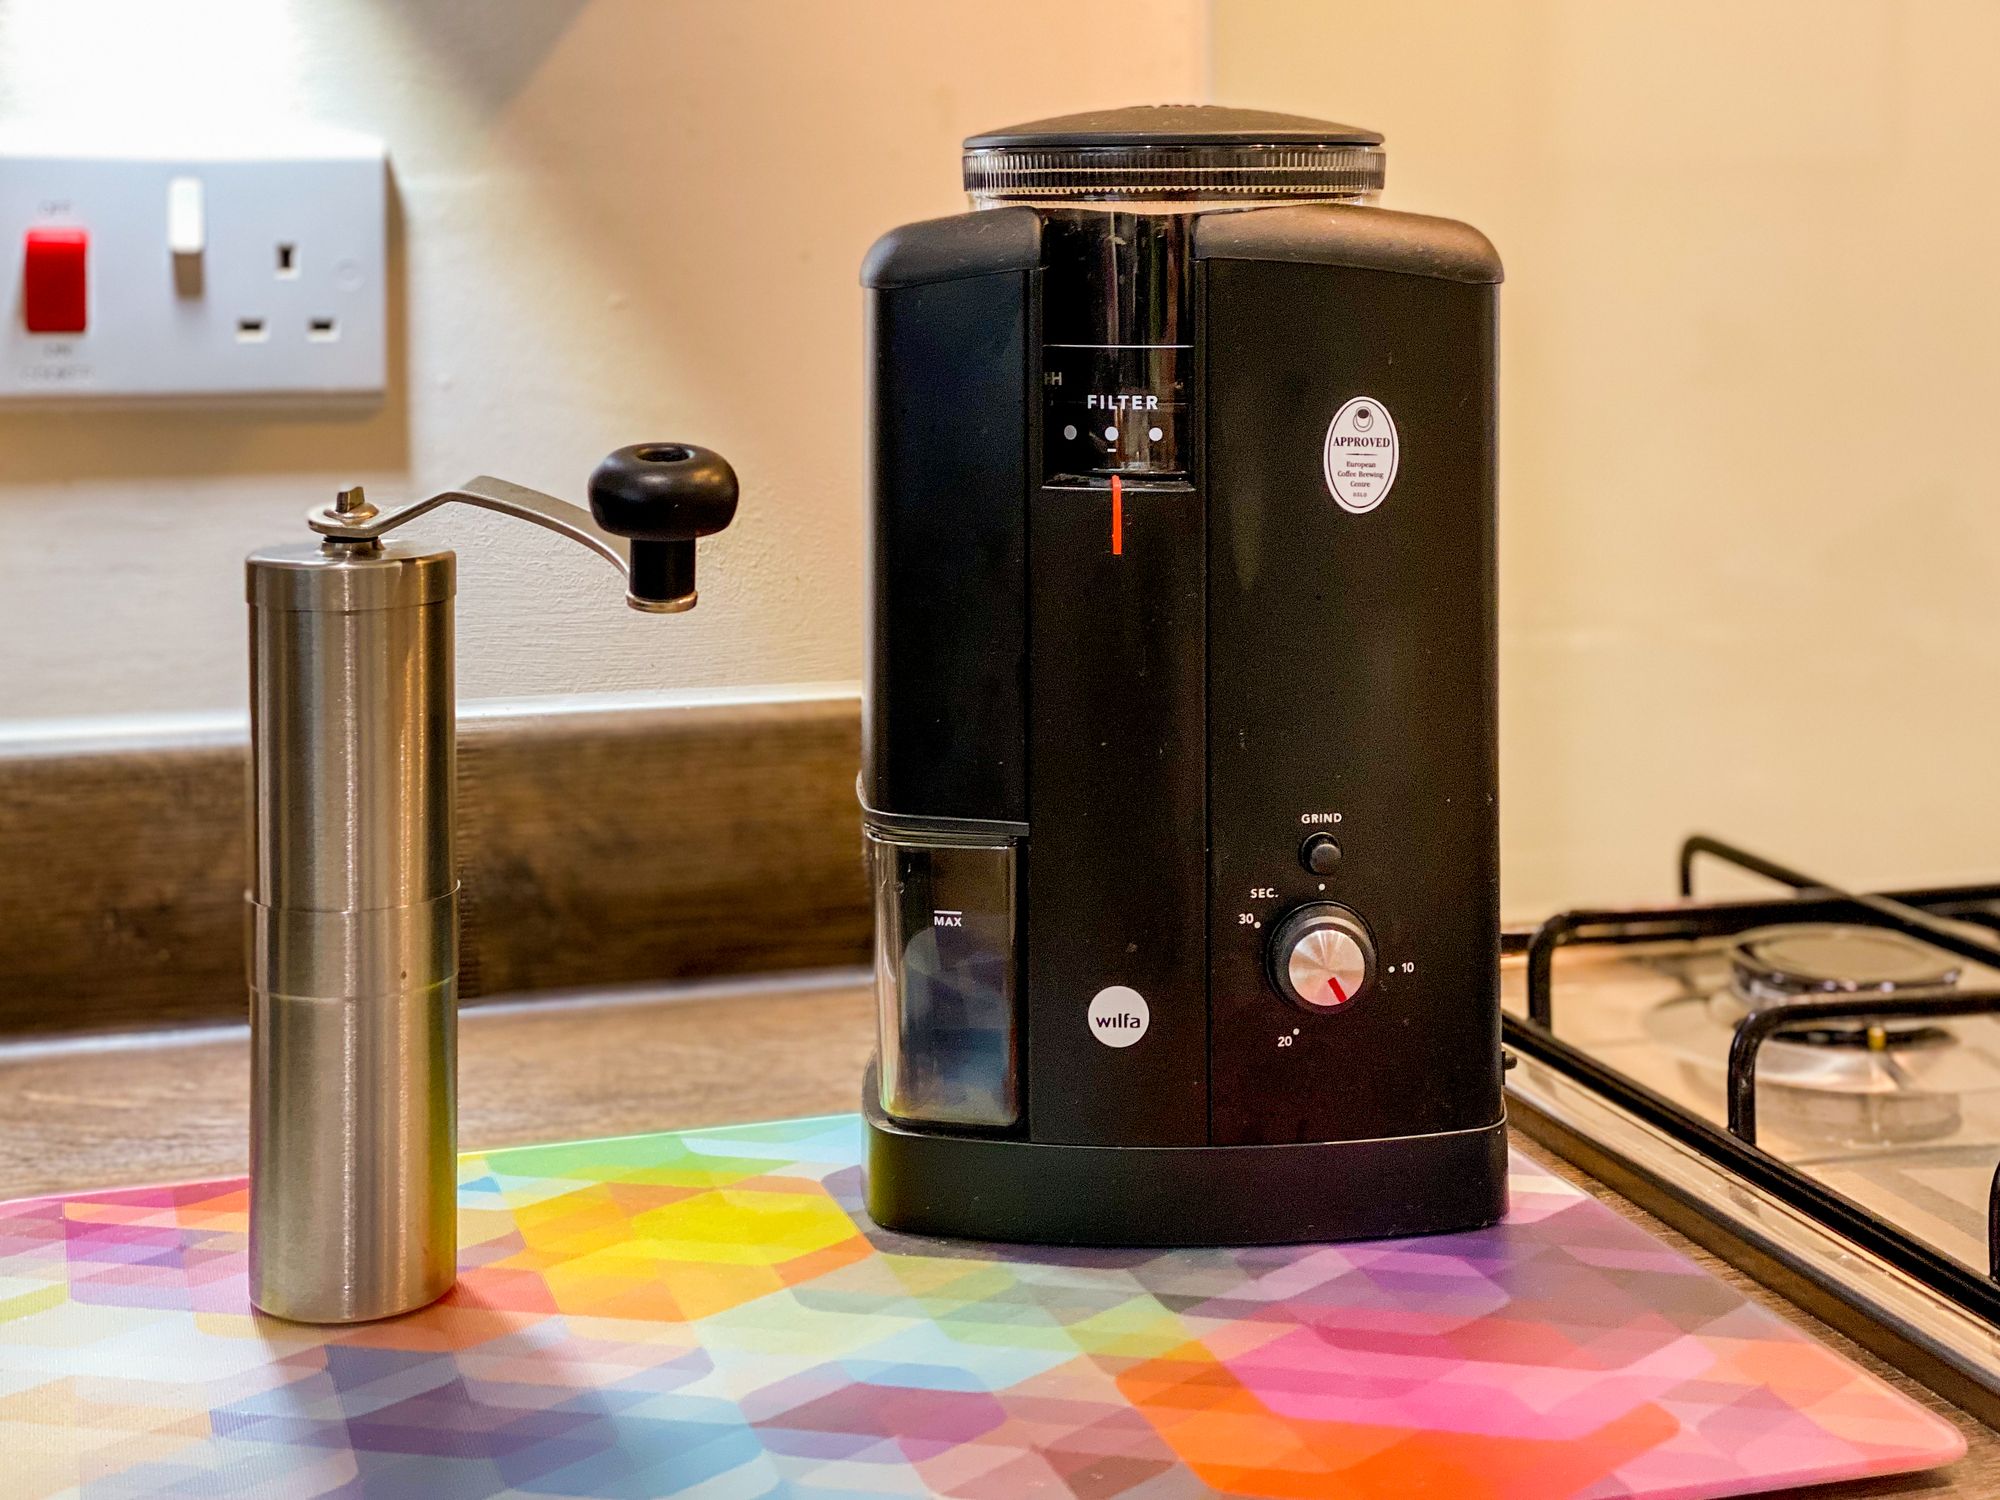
(1320, 854)
(1322, 956)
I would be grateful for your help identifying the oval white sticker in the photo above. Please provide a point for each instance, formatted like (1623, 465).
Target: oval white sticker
(1119, 1016)
(1362, 451)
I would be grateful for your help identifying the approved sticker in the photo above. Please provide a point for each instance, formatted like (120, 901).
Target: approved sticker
(1361, 454)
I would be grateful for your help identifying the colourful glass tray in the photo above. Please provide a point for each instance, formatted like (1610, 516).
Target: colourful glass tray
(709, 1314)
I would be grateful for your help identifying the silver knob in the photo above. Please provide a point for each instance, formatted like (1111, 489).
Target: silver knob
(1322, 956)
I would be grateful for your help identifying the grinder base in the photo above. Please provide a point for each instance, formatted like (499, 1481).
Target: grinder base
(955, 1186)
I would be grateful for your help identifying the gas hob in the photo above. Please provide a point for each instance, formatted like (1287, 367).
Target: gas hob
(1808, 1084)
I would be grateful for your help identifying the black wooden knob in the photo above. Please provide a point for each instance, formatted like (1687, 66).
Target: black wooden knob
(662, 496)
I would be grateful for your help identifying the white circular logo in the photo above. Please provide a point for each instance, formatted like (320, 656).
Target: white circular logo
(1119, 1016)
(1362, 451)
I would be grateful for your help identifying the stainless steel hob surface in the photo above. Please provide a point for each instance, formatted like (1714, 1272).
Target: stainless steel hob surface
(1906, 1119)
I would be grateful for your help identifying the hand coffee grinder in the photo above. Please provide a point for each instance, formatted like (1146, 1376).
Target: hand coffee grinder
(353, 893)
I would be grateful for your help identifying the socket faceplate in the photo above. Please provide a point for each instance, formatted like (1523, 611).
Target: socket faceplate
(208, 275)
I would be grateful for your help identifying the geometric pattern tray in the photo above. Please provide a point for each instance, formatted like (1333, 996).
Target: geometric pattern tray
(710, 1314)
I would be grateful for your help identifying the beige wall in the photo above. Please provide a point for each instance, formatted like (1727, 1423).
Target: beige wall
(1750, 553)
(1749, 550)
(620, 219)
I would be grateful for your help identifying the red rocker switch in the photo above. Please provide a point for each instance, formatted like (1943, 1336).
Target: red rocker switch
(53, 280)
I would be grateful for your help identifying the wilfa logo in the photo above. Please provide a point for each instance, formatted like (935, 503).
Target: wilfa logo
(1119, 1015)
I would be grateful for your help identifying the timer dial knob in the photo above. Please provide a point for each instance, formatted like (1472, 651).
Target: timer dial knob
(1322, 956)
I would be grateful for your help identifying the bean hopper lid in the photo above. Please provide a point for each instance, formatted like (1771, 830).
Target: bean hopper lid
(1185, 151)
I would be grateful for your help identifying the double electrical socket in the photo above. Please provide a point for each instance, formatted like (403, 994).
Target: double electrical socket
(208, 274)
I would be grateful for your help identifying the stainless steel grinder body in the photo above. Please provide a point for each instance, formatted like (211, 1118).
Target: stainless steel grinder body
(353, 895)
(353, 946)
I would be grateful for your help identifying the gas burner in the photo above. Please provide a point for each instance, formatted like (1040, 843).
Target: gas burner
(1829, 961)
(1861, 1082)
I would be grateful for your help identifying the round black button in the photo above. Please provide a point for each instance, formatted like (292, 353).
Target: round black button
(1320, 854)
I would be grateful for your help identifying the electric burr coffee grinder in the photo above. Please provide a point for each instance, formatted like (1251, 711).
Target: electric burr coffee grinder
(1178, 769)
(353, 893)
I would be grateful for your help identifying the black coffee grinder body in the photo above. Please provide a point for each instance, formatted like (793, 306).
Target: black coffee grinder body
(1179, 760)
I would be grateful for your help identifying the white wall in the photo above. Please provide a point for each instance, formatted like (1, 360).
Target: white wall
(1750, 556)
(620, 219)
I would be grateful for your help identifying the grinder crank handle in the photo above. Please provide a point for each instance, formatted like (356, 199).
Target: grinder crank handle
(661, 496)
(648, 504)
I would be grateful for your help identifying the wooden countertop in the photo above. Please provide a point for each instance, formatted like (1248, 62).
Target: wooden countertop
(156, 1108)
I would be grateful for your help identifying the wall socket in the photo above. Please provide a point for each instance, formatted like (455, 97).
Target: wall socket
(203, 275)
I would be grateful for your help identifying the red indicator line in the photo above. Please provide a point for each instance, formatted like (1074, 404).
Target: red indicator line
(1118, 521)
(1338, 993)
